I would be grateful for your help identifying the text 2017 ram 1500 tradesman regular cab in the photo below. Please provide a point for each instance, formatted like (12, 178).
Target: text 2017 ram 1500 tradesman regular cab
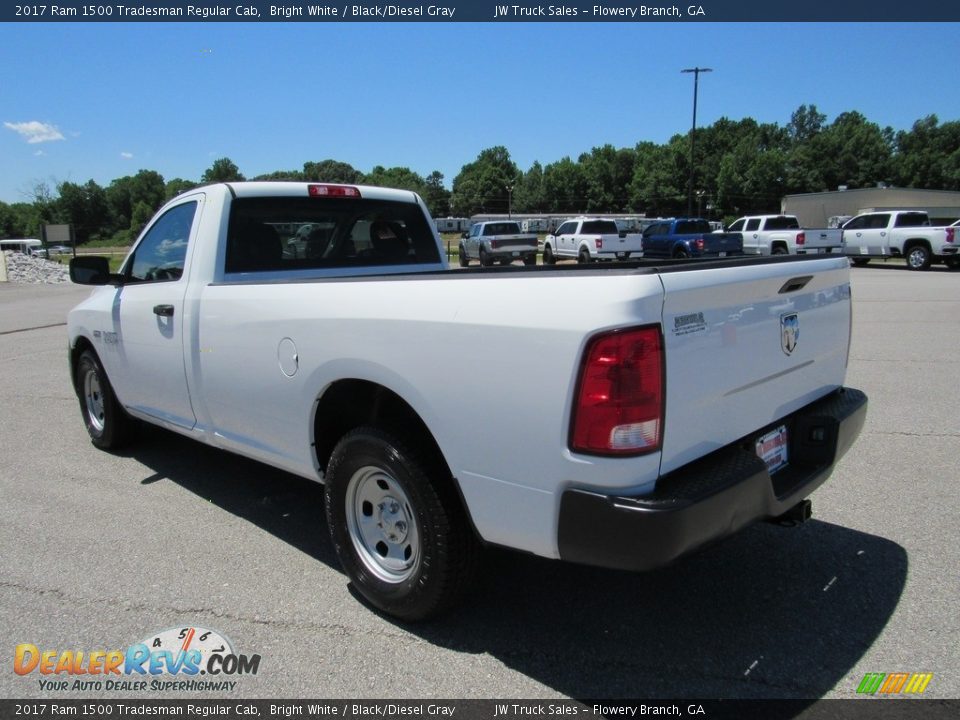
(673, 403)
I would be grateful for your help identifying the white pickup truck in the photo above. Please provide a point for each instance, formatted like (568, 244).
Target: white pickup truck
(672, 403)
(497, 241)
(900, 233)
(588, 239)
(782, 235)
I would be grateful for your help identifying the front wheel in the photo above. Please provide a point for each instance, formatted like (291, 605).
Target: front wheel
(463, 257)
(400, 534)
(107, 423)
(548, 257)
(918, 257)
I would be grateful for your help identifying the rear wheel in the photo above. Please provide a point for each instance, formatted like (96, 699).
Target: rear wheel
(860, 262)
(681, 253)
(918, 257)
(583, 257)
(107, 423)
(779, 250)
(397, 526)
(464, 258)
(485, 258)
(530, 260)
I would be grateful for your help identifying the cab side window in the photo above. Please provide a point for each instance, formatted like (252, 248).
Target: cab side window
(162, 252)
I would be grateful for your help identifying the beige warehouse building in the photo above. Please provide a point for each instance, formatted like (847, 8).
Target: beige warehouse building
(816, 209)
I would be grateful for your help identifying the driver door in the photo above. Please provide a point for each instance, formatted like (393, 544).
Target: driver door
(150, 320)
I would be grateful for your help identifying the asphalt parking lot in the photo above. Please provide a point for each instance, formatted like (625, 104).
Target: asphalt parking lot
(100, 551)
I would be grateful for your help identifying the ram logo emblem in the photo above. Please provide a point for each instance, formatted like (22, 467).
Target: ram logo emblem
(789, 332)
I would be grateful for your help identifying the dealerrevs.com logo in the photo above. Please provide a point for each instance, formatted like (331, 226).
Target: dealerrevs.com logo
(177, 659)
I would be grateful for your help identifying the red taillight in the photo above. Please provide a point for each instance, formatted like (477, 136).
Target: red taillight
(494, 244)
(950, 234)
(333, 191)
(599, 243)
(699, 244)
(801, 238)
(619, 402)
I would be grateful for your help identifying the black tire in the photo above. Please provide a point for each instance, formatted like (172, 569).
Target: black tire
(401, 535)
(860, 262)
(583, 257)
(681, 254)
(106, 421)
(952, 263)
(530, 260)
(548, 257)
(779, 250)
(485, 258)
(918, 257)
(463, 257)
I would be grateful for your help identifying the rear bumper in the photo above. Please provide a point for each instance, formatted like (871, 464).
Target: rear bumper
(712, 497)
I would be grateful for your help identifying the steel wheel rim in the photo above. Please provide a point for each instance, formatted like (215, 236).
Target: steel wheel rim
(93, 397)
(382, 525)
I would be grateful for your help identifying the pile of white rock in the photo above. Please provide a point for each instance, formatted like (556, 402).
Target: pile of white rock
(28, 269)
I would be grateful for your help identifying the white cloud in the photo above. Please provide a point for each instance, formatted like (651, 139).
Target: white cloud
(126, 155)
(39, 153)
(35, 131)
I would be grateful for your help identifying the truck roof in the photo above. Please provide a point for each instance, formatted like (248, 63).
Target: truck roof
(262, 188)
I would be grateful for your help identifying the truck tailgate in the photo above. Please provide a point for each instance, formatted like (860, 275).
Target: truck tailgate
(822, 238)
(747, 345)
(715, 243)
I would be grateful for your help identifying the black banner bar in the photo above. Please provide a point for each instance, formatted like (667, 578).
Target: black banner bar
(854, 709)
(849, 11)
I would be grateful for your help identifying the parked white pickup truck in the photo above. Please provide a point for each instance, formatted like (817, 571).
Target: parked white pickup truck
(782, 235)
(673, 404)
(588, 239)
(498, 241)
(900, 233)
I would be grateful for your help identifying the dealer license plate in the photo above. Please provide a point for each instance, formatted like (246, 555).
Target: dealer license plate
(772, 448)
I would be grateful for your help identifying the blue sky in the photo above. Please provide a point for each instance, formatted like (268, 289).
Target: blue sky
(115, 98)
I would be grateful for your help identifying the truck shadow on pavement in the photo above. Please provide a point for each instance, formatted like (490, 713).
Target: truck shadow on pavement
(772, 613)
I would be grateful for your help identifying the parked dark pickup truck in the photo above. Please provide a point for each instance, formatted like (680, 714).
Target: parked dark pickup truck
(689, 237)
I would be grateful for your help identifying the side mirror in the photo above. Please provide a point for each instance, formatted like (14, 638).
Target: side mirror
(91, 270)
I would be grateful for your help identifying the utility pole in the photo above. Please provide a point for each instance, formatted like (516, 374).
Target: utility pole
(693, 131)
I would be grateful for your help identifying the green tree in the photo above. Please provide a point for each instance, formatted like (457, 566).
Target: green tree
(85, 208)
(331, 171)
(530, 194)
(481, 186)
(659, 184)
(176, 187)
(435, 195)
(608, 174)
(565, 186)
(401, 178)
(805, 123)
(222, 170)
(928, 155)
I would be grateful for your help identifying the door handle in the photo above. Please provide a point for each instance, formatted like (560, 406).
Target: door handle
(163, 310)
